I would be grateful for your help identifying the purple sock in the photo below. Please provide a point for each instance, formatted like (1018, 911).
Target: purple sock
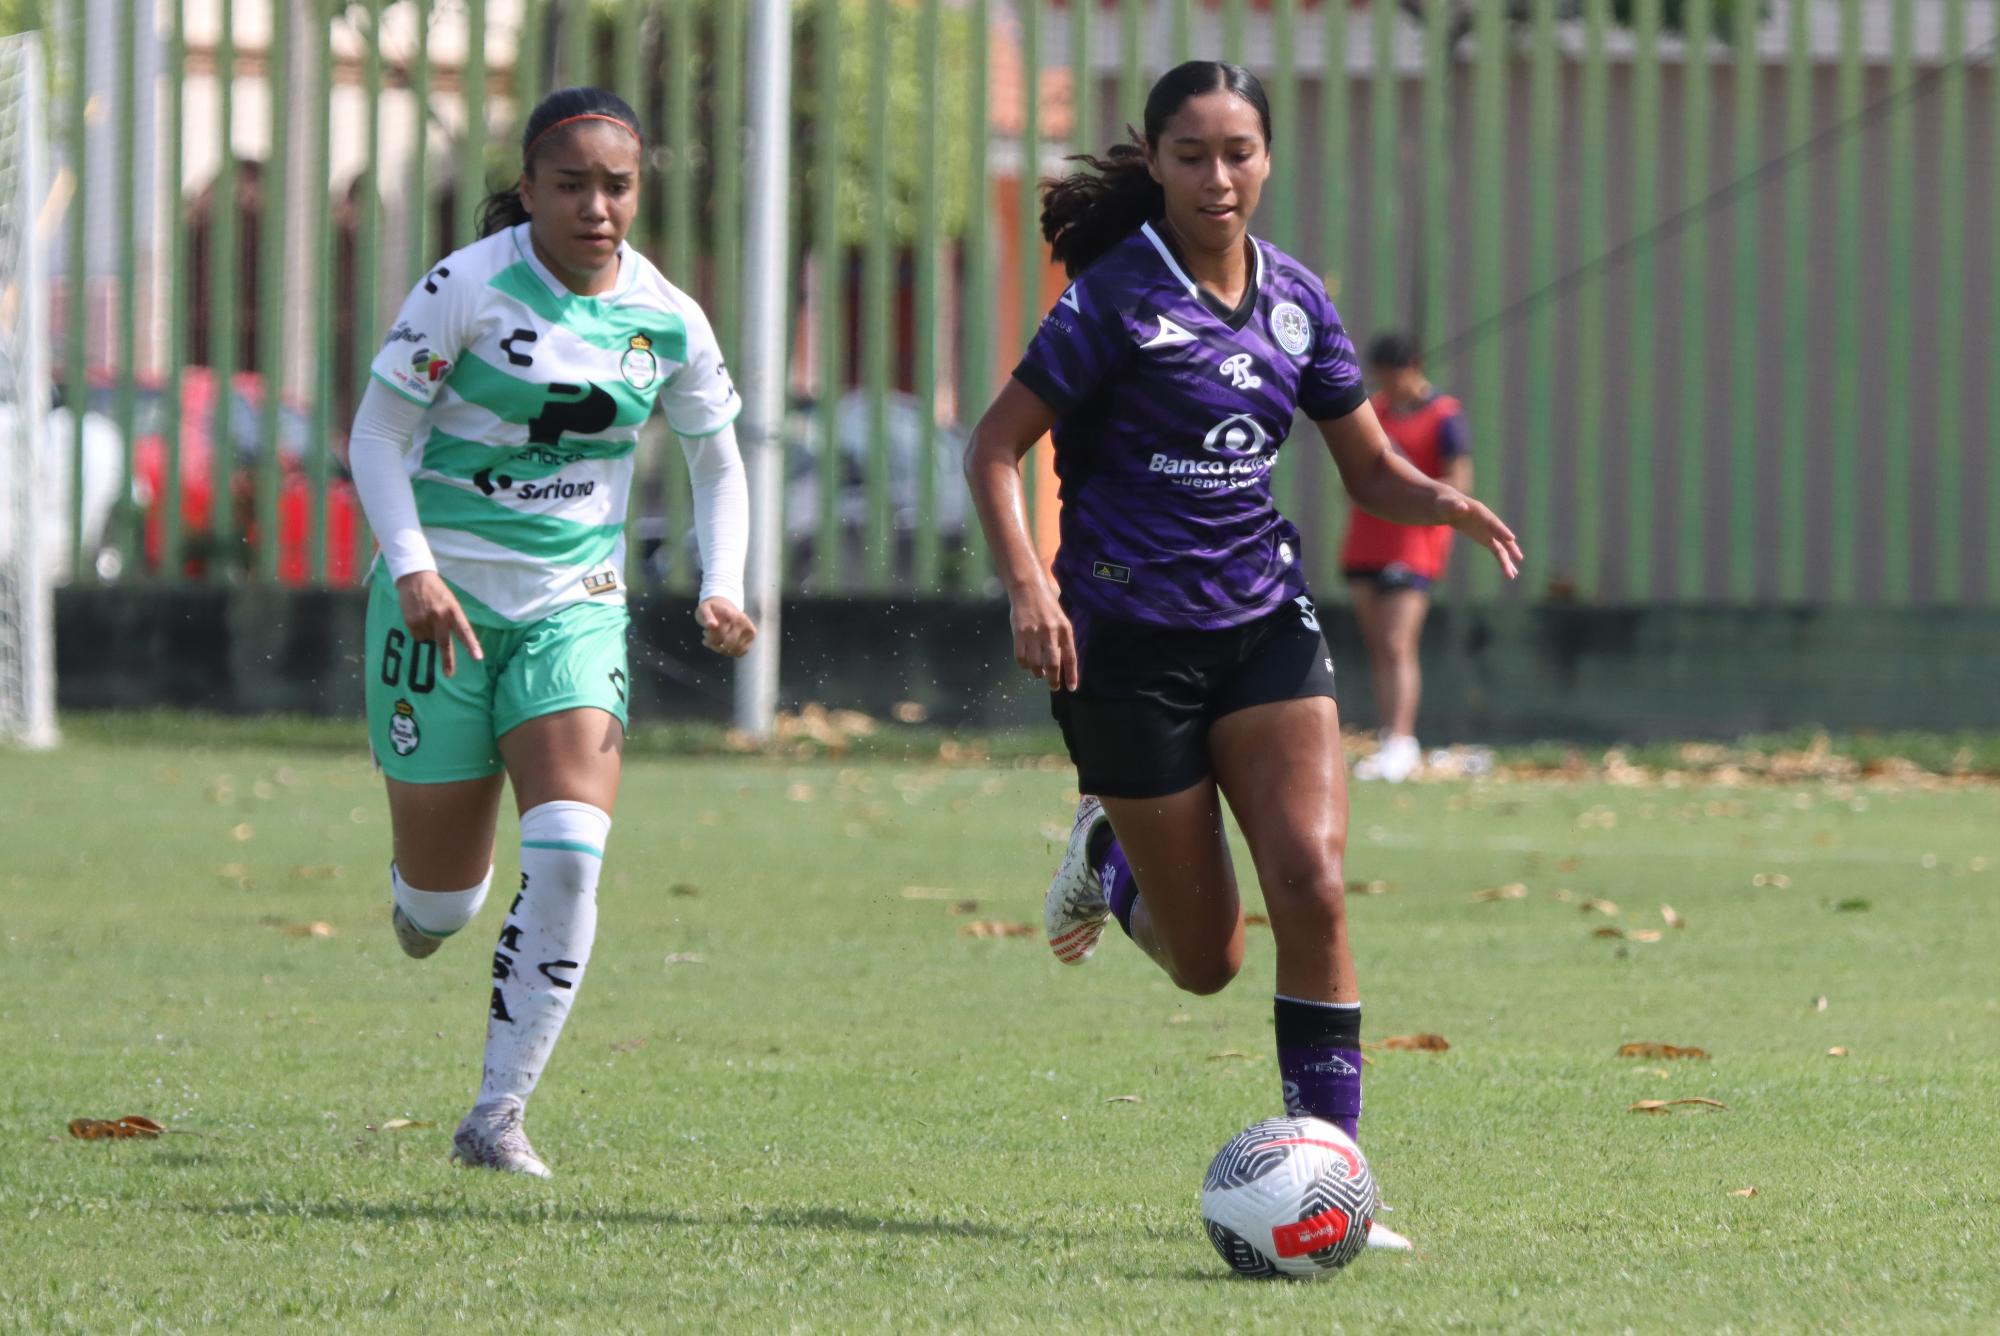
(1121, 890)
(1319, 1058)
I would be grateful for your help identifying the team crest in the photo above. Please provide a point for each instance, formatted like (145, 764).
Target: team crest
(1291, 327)
(403, 735)
(639, 367)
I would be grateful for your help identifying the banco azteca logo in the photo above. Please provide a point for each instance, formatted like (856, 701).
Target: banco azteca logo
(1237, 434)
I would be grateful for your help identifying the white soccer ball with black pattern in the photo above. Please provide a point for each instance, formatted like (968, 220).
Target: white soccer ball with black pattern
(1289, 1197)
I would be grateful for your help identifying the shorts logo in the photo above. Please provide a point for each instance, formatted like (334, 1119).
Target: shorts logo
(600, 582)
(403, 734)
(617, 679)
(1105, 570)
(639, 367)
(1238, 370)
(1291, 327)
(1311, 620)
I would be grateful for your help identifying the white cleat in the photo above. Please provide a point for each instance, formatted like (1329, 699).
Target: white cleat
(1381, 1236)
(491, 1138)
(1393, 762)
(416, 943)
(1074, 912)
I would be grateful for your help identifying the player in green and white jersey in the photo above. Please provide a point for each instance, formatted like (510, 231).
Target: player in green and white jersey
(493, 454)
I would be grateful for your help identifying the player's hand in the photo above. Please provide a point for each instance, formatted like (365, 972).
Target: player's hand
(1483, 527)
(1044, 641)
(432, 613)
(725, 628)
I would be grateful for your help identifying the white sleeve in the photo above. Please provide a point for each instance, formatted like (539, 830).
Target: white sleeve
(721, 511)
(429, 334)
(700, 398)
(385, 426)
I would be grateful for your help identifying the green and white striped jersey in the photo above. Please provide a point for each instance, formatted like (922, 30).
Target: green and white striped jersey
(535, 396)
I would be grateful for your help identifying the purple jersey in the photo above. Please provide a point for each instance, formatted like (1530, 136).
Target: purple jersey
(1170, 414)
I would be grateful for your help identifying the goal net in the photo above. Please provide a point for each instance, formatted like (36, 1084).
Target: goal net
(27, 624)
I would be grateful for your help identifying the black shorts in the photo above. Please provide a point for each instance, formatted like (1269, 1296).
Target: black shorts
(1391, 578)
(1137, 724)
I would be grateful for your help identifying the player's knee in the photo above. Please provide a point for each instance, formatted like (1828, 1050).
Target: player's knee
(1208, 973)
(1311, 898)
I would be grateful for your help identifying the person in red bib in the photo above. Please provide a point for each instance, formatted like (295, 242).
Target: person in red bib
(1390, 567)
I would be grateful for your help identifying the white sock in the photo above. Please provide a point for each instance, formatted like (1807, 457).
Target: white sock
(544, 945)
(438, 913)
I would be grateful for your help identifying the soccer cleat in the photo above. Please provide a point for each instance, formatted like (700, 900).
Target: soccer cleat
(491, 1138)
(1381, 1236)
(1074, 911)
(416, 943)
(1394, 761)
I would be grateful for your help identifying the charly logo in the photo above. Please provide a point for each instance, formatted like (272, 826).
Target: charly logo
(1291, 327)
(403, 734)
(1238, 370)
(639, 367)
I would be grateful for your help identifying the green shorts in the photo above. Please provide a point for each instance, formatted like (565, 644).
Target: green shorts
(426, 728)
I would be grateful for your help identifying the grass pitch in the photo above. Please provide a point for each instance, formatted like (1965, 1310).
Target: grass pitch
(798, 1092)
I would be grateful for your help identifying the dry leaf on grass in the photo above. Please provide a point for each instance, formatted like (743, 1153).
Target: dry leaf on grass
(1179, 1018)
(399, 1125)
(1122, 1099)
(1669, 1105)
(1513, 890)
(986, 928)
(1837, 1051)
(1645, 934)
(1596, 906)
(1416, 1043)
(1744, 1192)
(317, 928)
(1777, 879)
(1227, 1053)
(1256, 921)
(632, 1045)
(1672, 919)
(319, 872)
(1648, 1049)
(1609, 930)
(686, 958)
(1820, 1003)
(1372, 888)
(114, 1129)
(684, 891)
(243, 833)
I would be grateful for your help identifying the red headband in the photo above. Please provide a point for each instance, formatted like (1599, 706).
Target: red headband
(529, 152)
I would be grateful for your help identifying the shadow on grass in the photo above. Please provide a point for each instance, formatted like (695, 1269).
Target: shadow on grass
(459, 1212)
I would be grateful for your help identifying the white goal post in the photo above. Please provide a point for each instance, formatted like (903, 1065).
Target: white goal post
(27, 615)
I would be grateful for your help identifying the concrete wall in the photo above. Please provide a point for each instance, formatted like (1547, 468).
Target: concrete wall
(1495, 673)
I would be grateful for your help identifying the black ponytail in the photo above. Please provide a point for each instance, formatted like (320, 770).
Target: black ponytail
(503, 208)
(1086, 213)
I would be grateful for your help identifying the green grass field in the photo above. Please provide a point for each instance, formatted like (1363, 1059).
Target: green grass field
(797, 1094)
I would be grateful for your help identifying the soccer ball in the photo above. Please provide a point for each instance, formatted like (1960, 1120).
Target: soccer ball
(1289, 1196)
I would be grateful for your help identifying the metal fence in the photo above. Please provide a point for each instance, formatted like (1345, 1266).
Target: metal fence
(1716, 281)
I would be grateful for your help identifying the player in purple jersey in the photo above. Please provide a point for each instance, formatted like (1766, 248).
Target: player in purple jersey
(1178, 635)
